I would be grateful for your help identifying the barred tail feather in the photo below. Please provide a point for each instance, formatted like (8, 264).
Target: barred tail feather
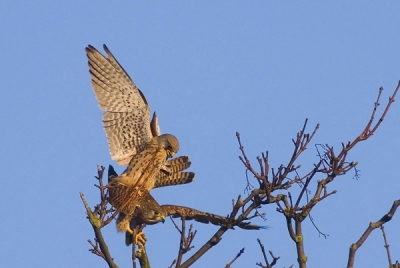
(164, 179)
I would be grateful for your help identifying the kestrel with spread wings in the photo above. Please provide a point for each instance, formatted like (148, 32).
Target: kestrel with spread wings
(132, 137)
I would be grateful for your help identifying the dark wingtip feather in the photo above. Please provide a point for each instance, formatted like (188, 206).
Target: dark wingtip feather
(111, 173)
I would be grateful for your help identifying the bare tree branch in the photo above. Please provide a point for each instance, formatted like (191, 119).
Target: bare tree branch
(267, 264)
(295, 208)
(372, 226)
(100, 248)
(234, 259)
(386, 246)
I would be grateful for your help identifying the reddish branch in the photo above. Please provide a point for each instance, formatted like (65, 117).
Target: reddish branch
(330, 165)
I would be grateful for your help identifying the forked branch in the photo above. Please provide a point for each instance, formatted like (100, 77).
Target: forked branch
(267, 264)
(372, 226)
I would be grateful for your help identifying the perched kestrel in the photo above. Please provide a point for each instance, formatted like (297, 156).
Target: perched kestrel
(132, 137)
(151, 213)
(136, 204)
(146, 209)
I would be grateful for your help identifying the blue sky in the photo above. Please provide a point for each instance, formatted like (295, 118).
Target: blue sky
(208, 69)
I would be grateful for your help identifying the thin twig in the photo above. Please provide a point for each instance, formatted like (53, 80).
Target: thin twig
(274, 259)
(234, 259)
(172, 264)
(386, 246)
(368, 132)
(263, 251)
(181, 246)
(209, 244)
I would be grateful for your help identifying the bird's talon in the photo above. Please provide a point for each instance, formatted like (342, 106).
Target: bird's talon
(140, 238)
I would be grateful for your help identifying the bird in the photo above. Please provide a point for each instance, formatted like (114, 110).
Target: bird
(140, 208)
(146, 216)
(132, 137)
(136, 141)
(148, 211)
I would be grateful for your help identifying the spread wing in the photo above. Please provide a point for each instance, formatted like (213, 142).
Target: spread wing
(204, 217)
(126, 118)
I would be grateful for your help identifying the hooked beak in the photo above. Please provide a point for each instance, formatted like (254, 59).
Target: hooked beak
(170, 154)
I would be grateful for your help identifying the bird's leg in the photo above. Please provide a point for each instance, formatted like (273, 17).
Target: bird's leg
(123, 223)
(138, 237)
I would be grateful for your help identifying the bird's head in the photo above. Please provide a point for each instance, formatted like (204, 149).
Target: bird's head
(153, 216)
(148, 209)
(170, 143)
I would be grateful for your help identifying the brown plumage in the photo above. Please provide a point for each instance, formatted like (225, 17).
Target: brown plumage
(145, 165)
(181, 212)
(126, 118)
(175, 176)
(146, 211)
(204, 217)
(141, 173)
(132, 137)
